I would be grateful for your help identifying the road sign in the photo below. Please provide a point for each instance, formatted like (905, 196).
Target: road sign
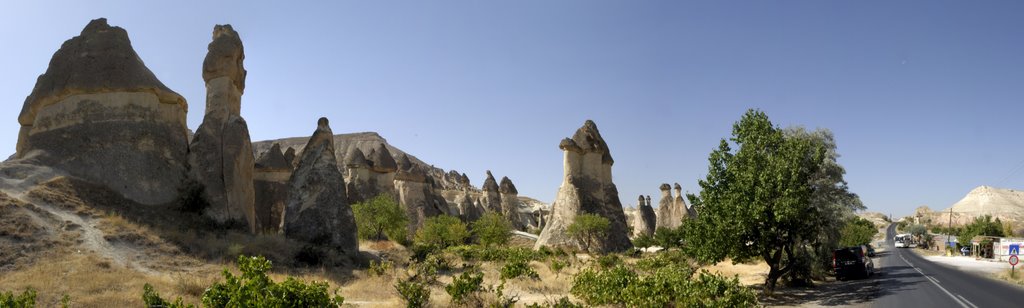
(1014, 249)
(1013, 260)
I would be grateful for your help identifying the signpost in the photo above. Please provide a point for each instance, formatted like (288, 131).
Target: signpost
(1013, 264)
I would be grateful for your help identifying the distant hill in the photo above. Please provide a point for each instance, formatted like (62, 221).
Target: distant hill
(1005, 204)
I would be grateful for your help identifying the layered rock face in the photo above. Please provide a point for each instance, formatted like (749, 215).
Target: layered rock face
(357, 176)
(417, 197)
(587, 188)
(221, 154)
(100, 114)
(671, 209)
(645, 221)
(382, 170)
(316, 210)
(491, 199)
(270, 180)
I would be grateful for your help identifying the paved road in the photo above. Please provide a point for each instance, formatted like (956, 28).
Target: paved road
(908, 280)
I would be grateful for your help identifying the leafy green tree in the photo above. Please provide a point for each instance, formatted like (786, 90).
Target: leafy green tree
(588, 230)
(858, 231)
(492, 229)
(668, 237)
(834, 203)
(380, 216)
(761, 201)
(643, 241)
(982, 225)
(442, 232)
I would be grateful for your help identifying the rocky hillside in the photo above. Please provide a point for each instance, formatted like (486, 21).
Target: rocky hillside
(1005, 204)
(366, 141)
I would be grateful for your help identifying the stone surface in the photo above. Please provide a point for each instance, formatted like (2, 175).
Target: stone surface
(270, 180)
(491, 199)
(100, 114)
(417, 198)
(467, 208)
(670, 213)
(289, 155)
(646, 220)
(358, 181)
(587, 188)
(221, 153)
(316, 210)
(510, 205)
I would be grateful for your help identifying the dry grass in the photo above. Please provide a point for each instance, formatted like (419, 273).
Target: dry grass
(750, 274)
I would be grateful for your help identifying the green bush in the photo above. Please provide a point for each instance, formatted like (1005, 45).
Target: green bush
(26, 299)
(588, 230)
(441, 232)
(668, 238)
(557, 265)
(858, 231)
(254, 289)
(380, 268)
(518, 268)
(665, 284)
(492, 229)
(466, 287)
(609, 261)
(643, 241)
(413, 292)
(379, 217)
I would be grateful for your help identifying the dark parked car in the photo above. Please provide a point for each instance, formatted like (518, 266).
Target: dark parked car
(851, 262)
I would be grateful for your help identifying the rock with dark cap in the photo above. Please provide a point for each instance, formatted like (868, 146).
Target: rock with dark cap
(646, 220)
(100, 114)
(417, 198)
(382, 160)
(221, 153)
(491, 196)
(510, 204)
(357, 176)
(289, 155)
(671, 209)
(316, 211)
(587, 188)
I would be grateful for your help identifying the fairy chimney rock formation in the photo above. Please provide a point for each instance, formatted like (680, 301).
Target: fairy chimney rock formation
(289, 155)
(671, 210)
(357, 176)
(646, 220)
(316, 211)
(100, 114)
(587, 188)
(510, 203)
(382, 170)
(221, 152)
(417, 198)
(491, 197)
(467, 208)
(681, 203)
(270, 181)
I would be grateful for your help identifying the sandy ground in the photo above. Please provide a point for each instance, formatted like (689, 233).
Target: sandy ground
(969, 264)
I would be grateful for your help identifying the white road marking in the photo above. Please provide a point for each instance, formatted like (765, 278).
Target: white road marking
(936, 282)
(967, 301)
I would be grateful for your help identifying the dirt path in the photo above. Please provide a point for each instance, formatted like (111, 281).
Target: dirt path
(16, 180)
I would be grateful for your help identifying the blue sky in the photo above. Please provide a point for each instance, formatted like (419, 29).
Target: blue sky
(924, 97)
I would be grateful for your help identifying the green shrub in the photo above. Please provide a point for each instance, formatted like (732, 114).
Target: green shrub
(588, 230)
(602, 287)
(517, 268)
(152, 299)
(379, 217)
(254, 289)
(709, 290)
(441, 232)
(668, 238)
(608, 261)
(26, 299)
(466, 287)
(380, 268)
(643, 241)
(413, 292)
(557, 265)
(492, 229)
(662, 288)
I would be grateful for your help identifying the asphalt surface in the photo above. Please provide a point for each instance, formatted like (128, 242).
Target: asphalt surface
(904, 279)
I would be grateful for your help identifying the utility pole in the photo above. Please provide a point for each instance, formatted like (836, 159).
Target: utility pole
(949, 228)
